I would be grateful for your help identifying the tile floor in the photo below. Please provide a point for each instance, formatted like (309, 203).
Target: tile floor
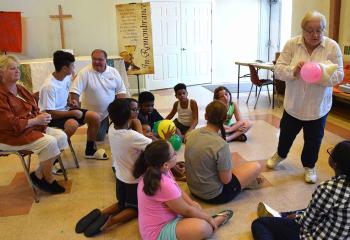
(93, 185)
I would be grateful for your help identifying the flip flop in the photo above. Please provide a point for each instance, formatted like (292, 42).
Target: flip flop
(226, 213)
(100, 154)
(85, 221)
(95, 227)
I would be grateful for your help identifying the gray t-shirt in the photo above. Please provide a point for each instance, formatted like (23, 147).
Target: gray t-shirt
(206, 154)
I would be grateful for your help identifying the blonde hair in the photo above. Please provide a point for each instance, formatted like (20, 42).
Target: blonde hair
(313, 15)
(5, 59)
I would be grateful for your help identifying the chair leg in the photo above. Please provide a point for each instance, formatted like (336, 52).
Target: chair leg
(249, 93)
(257, 97)
(26, 172)
(73, 153)
(268, 93)
(62, 167)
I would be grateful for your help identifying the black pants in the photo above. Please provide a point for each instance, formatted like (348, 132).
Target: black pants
(276, 228)
(313, 134)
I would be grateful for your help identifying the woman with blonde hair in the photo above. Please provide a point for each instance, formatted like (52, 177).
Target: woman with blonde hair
(24, 127)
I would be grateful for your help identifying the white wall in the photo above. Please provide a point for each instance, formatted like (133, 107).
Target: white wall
(93, 25)
(235, 36)
(300, 7)
(344, 33)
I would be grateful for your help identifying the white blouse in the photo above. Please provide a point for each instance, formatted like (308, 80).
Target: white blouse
(303, 100)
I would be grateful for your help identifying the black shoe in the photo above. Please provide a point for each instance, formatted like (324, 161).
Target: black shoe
(39, 183)
(95, 227)
(55, 188)
(85, 221)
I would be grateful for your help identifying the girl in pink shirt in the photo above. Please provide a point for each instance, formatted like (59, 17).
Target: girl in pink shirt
(166, 212)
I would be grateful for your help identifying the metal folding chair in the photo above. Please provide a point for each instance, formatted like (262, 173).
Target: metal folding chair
(22, 155)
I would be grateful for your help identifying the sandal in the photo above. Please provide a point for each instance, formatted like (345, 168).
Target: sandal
(226, 213)
(100, 154)
(241, 138)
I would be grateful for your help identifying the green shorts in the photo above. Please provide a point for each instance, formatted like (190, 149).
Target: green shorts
(168, 232)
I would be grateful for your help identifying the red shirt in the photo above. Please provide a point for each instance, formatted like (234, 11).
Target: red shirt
(14, 116)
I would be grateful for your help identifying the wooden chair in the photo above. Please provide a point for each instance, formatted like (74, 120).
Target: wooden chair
(25, 157)
(254, 78)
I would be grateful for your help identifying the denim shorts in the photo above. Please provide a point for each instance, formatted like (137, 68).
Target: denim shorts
(168, 231)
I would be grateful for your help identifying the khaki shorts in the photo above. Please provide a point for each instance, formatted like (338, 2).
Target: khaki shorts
(46, 147)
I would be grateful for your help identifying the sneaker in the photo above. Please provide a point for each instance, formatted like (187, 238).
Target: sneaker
(265, 211)
(56, 168)
(55, 188)
(274, 161)
(310, 175)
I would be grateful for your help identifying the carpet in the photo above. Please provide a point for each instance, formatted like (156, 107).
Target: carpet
(243, 87)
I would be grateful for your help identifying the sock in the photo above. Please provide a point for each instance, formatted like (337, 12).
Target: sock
(90, 148)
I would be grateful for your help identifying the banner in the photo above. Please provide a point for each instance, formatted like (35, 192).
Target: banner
(10, 32)
(134, 30)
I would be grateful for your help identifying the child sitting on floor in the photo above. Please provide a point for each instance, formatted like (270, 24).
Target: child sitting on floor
(235, 126)
(135, 123)
(186, 109)
(166, 212)
(328, 213)
(126, 146)
(148, 114)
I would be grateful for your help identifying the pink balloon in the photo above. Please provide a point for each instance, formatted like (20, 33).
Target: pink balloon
(311, 72)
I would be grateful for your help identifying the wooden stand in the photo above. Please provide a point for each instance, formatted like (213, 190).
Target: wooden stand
(138, 83)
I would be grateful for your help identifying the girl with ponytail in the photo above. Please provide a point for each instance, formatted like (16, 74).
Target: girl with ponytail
(210, 174)
(234, 125)
(166, 212)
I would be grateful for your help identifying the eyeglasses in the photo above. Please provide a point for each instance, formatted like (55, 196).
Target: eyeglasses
(135, 110)
(311, 31)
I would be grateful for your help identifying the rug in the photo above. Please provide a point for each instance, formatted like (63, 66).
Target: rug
(243, 87)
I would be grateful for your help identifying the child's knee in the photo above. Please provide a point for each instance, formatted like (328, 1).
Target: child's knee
(204, 228)
(92, 118)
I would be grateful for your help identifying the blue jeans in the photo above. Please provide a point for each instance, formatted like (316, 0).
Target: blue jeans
(313, 134)
(275, 228)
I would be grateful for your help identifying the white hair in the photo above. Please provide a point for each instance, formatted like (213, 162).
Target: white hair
(313, 15)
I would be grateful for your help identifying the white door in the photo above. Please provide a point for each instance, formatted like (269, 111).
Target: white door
(166, 45)
(196, 42)
(181, 44)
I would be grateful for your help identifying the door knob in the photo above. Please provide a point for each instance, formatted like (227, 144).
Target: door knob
(183, 49)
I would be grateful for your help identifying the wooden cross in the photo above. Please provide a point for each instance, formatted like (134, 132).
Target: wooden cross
(60, 17)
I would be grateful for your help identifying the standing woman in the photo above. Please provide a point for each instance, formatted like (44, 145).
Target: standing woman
(306, 105)
(24, 127)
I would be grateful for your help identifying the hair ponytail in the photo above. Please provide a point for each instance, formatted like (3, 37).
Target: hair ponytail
(149, 165)
(151, 180)
(223, 132)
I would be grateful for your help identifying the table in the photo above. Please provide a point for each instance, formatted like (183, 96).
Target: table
(35, 71)
(259, 65)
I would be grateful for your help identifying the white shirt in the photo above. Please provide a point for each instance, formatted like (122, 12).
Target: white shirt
(302, 100)
(53, 94)
(126, 147)
(98, 90)
(184, 115)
